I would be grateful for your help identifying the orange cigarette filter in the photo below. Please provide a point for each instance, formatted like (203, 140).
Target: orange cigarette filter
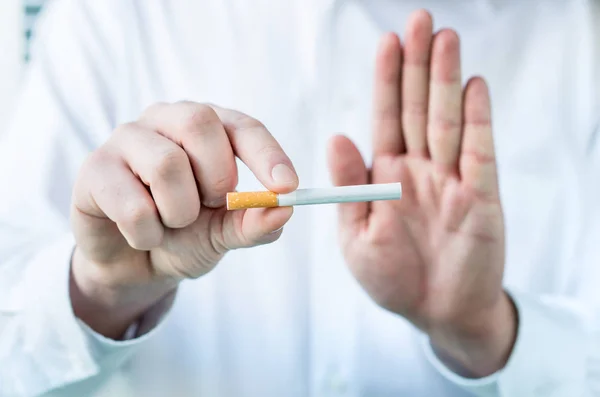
(242, 200)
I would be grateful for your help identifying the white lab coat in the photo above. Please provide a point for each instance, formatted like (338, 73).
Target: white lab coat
(288, 319)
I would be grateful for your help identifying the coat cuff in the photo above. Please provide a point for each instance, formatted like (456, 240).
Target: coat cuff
(58, 348)
(549, 356)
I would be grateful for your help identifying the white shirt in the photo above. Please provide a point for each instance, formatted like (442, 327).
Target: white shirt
(288, 319)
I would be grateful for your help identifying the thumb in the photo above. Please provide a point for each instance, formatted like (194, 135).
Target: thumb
(347, 167)
(252, 227)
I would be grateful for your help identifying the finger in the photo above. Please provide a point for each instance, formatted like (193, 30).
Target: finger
(477, 159)
(110, 190)
(163, 166)
(347, 167)
(415, 82)
(264, 226)
(199, 131)
(445, 101)
(259, 226)
(259, 150)
(387, 128)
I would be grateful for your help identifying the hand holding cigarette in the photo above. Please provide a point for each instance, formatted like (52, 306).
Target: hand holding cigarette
(148, 207)
(334, 195)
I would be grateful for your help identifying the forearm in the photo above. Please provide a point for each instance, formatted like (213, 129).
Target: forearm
(109, 308)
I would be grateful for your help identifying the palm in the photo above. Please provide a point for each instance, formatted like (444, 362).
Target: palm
(429, 254)
(420, 246)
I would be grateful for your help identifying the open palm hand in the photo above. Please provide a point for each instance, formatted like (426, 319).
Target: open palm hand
(436, 256)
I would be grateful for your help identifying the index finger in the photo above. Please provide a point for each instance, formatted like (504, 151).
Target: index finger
(259, 150)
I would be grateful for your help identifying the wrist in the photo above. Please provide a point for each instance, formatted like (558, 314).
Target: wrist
(110, 304)
(483, 345)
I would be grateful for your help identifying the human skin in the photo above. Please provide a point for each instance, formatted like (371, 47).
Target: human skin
(435, 257)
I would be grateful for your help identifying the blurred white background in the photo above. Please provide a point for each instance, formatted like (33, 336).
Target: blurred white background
(11, 54)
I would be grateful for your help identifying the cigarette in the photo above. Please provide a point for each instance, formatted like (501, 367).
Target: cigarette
(333, 195)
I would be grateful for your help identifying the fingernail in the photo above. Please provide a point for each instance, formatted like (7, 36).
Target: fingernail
(282, 174)
(277, 230)
(216, 203)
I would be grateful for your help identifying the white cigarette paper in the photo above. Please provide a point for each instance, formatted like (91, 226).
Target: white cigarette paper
(333, 195)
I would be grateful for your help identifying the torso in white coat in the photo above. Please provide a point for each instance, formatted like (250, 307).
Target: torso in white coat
(288, 319)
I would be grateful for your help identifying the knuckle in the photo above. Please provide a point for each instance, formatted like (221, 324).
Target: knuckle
(246, 123)
(139, 214)
(481, 119)
(196, 117)
(122, 136)
(224, 184)
(477, 157)
(124, 128)
(97, 156)
(97, 160)
(270, 150)
(169, 164)
(443, 141)
(414, 108)
(152, 109)
(389, 113)
(444, 124)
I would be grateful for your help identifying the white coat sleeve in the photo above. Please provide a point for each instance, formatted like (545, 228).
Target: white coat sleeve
(65, 110)
(556, 353)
